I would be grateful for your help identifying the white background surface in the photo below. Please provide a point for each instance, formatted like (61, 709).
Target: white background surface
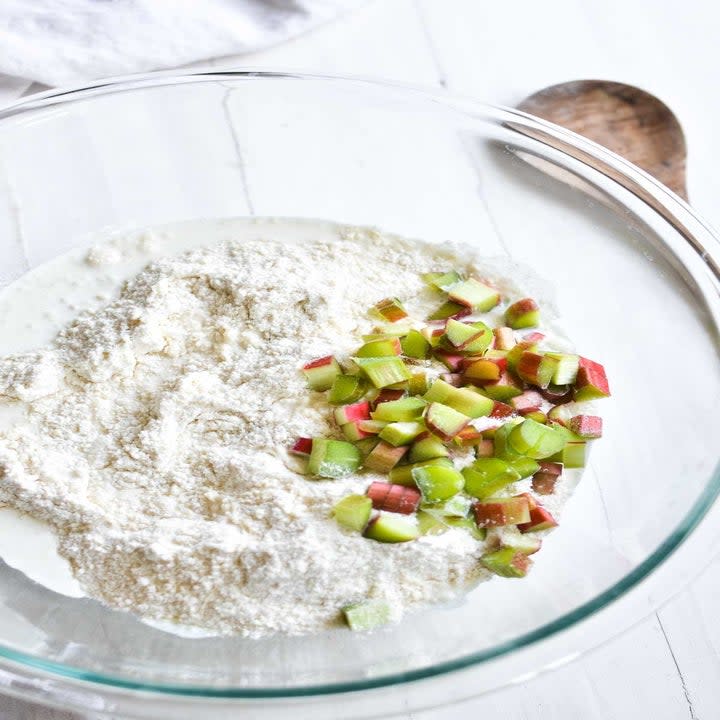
(668, 667)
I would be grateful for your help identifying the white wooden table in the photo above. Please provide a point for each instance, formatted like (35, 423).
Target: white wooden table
(667, 667)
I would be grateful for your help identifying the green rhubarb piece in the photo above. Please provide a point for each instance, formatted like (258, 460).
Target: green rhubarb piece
(573, 454)
(389, 310)
(387, 347)
(366, 446)
(515, 353)
(402, 474)
(427, 448)
(392, 529)
(501, 391)
(383, 371)
(486, 476)
(526, 467)
(537, 369)
(464, 400)
(346, 389)
(566, 369)
(444, 421)
(333, 458)
(467, 524)
(442, 281)
(321, 373)
(430, 524)
(502, 447)
(367, 615)
(502, 511)
(459, 333)
(437, 483)
(401, 433)
(535, 440)
(481, 342)
(402, 410)
(415, 345)
(474, 294)
(384, 457)
(524, 313)
(507, 562)
(447, 310)
(353, 512)
(353, 432)
(418, 384)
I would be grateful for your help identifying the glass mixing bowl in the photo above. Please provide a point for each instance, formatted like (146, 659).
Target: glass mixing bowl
(636, 279)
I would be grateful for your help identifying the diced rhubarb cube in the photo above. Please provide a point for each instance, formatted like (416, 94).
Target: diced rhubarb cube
(535, 440)
(587, 427)
(415, 345)
(483, 371)
(437, 483)
(504, 338)
(464, 400)
(458, 334)
(389, 310)
(485, 448)
(346, 389)
(540, 519)
(367, 615)
(427, 448)
(528, 402)
(591, 381)
(383, 371)
(524, 313)
(372, 427)
(302, 446)
(353, 432)
(474, 294)
(452, 361)
(320, 373)
(501, 409)
(381, 348)
(442, 281)
(507, 562)
(567, 368)
(536, 369)
(560, 414)
(353, 512)
(551, 468)
(401, 433)
(405, 409)
(544, 483)
(391, 529)
(496, 512)
(450, 309)
(468, 437)
(444, 421)
(333, 458)
(504, 389)
(402, 474)
(352, 413)
(487, 476)
(394, 498)
(384, 457)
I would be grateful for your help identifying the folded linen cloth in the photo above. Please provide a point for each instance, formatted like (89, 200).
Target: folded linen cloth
(65, 42)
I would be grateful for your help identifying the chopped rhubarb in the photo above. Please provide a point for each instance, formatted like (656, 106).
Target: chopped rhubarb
(566, 370)
(418, 384)
(352, 413)
(528, 402)
(346, 389)
(535, 440)
(504, 389)
(384, 457)
(458, 334)
(507, 562)
(474, 294)
(536, 369)
(501, 410)
(591, 381)
(524, 313)
(452, 361)
(450, 309)
(587, 427)
(353, 512)
(514, 354)
(464, 400)
(573, 455)
(483, 371)
(444, 421)
(557, 394)
(389, 310)
(333, 458)
(540, 519)
(486, 476)
(497, 512)
(427, 449)
(485, 448)
(394, 498)
(468, 437)
(386, 395)
(353, 432)
(442, 281)
(502, 447)
(415, 345)
(543, 482)
(560, 414)
(372, 427)
(302, 446)
(380, 348)
(392, 529)
(537, 416)
(504, 338)
(402, 474)
(383, 371)
(320, 374)
(526, 466)
(402, 410)
(401, 433)
(437, 483)
(367, 615)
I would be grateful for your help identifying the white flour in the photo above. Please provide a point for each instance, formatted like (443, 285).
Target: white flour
(154, 434)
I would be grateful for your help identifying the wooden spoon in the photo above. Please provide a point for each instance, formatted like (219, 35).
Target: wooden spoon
(622, 118)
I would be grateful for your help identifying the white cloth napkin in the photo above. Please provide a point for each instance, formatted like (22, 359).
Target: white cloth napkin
(64, 42)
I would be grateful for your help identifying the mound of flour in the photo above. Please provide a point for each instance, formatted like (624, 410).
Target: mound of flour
(155, 429)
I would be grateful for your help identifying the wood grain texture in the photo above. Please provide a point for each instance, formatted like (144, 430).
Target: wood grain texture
(625, 119)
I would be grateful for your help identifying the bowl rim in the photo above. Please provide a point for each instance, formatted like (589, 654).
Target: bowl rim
(696, 233)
